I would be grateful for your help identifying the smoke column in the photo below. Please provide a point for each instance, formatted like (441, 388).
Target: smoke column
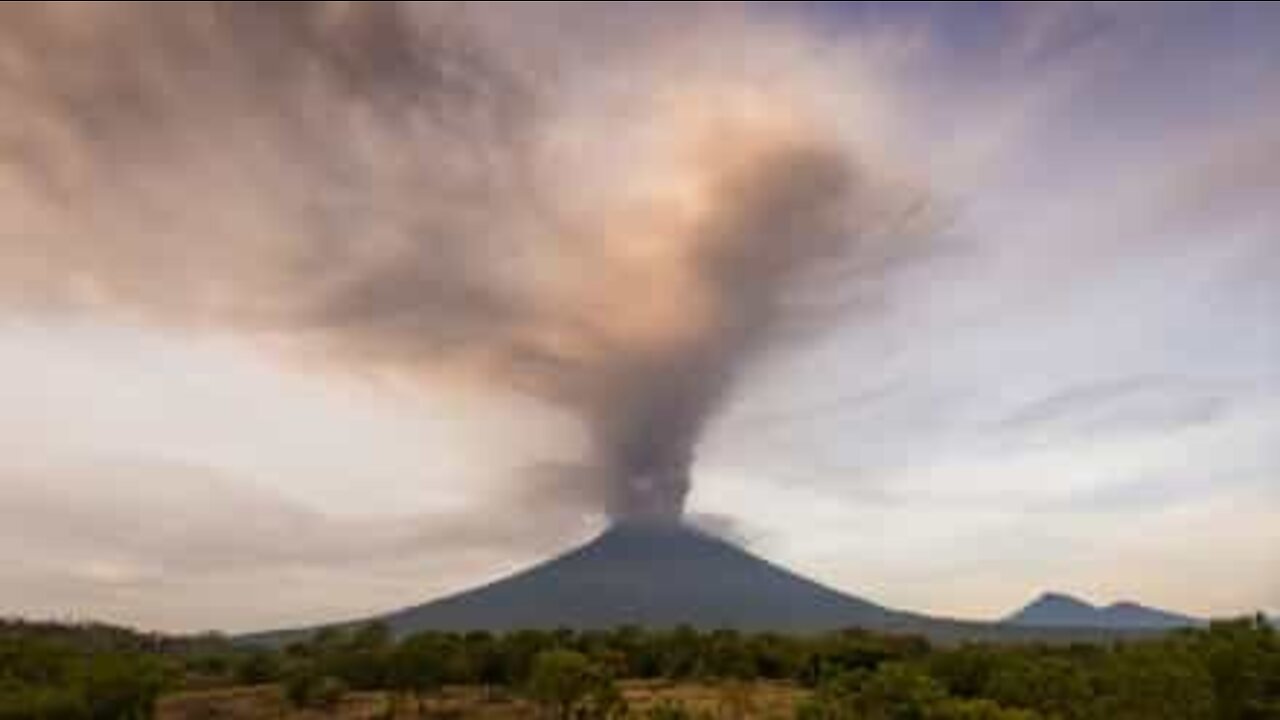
(614, 211)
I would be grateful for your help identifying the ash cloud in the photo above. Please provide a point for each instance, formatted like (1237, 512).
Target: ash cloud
(454, 194)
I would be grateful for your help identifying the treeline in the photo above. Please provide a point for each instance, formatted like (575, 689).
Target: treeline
(1228, 671)
(53, 671)
(366, 658)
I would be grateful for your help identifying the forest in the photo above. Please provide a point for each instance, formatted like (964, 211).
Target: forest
(1229, 670)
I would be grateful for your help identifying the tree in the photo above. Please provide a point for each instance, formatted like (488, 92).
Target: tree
(1048, 684)
(363, 660)
(1243, 659)
(681, 653)
(375, 636)
(418, 666)
(257, 668)
(121, 687)
(897, 691)
(485, 662)
(727, 656)
(966, 671)
(571, 687)
(1156, 680)
(23, 702)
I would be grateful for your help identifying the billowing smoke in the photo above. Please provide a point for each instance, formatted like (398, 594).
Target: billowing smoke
(614, 211)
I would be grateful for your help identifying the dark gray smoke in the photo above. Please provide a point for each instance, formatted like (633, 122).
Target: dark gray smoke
(455, 194)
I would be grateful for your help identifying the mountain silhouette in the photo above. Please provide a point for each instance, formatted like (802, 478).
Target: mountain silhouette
(651, 575)
(1057, 610)
(664, 575)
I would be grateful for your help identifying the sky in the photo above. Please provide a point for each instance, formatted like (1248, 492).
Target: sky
(310, 315)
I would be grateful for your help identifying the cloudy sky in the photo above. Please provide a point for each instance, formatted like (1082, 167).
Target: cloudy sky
(308, 314)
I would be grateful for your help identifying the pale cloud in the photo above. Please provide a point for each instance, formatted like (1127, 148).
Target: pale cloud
(1078, 393)
(1102, 351)
(139, 541)
(342, 443)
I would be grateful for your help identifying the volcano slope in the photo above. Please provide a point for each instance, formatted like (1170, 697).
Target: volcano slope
(649, 575)
(661, 575)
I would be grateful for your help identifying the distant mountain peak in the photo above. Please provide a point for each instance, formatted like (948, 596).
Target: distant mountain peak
(1056, 609)
(1060, 598)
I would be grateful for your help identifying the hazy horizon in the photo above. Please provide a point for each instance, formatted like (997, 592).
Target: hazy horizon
(312, 313)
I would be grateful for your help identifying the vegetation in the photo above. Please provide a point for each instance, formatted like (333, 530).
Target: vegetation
(99, 673)
(570, 685)
(1228, 671)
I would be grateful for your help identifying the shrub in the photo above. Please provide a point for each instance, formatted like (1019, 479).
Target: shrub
(310, 689)
(570, 686)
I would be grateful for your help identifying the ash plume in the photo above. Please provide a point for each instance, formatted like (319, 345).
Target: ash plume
(615, 217)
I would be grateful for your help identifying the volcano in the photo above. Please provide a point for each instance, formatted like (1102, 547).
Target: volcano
(656, 575)
(660, 575)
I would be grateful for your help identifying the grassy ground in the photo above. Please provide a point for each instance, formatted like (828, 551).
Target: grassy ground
(721, 701)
